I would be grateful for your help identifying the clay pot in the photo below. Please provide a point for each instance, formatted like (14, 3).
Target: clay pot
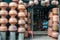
(54, 2)
(49, 31)
(26, 34)
(21, 7)
(12, 28)
(21, 29)
(36, 2)
(50, 22)
(21, 15)
(3, 13)
(26, 19)
(55, 11)
(50, 15)
(3, 27)
(55, 26)
(55, 34)
(12, 20)
(13, 13)
(21, 22)
(13, 5)
(31, 3)
(3, 20)
(26, 26)
(55, 18)
(3, 5)
(43, 3)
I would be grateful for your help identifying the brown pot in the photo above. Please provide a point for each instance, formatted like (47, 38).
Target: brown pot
(55, 18)
(55, 11)
(49, 31)
(12, 20)
(55, 26)
(13, 5)
(50, 22)
(3, 5)
(13, 13)
(3, 13)
(55, 34)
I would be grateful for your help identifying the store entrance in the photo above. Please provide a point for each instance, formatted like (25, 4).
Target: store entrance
(40, 18)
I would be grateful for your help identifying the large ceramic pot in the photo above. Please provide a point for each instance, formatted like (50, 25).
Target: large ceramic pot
(13, 5)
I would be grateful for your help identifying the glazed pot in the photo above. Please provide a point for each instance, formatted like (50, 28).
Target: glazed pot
(55, 11)
(13, 13)
(50, 22)
(54, 2)
(3, 5)
(49, 31)
(13, 5)
(12, 20)
(55, 34)
(3, 13)
(55, 18)
(55, 26)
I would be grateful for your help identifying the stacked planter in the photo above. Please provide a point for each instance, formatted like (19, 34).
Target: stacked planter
(53, 23)
(12, 20)
(3, 20)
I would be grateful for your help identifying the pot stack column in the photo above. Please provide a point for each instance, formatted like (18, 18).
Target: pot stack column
(55, 22)
(12, 20)
(21, 21)
(3, 20)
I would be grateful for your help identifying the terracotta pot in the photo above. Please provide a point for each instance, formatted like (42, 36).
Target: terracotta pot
(31, 2)
(3, 5)
(55, 34)
(12, 28)
(55, 11)
(50, 22)
(12, 20)
(3, 13)
(13, 5)
(21, 7)
(50, 15)
(3, 20)
(21, 29)
(3, 27)
(55, 26)
(43, 3)
(21, 22)
(49, 31)
(13, 13)
(36, 2)
(21, 15)
(55, 18)
(54, 2)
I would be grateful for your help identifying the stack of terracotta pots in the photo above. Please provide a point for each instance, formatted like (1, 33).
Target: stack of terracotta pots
(12, 20)
(3, 20)
(53, 23)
